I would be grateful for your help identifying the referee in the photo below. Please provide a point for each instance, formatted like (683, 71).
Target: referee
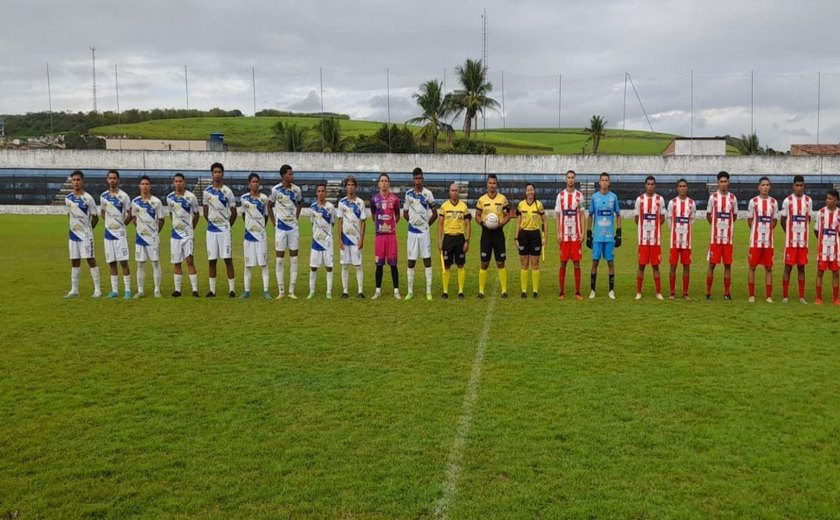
(454, 238)
(492, 240)
(530, 239)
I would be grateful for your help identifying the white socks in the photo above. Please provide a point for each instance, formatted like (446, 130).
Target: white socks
(345, 278)
(278, 267)
(178, 279)
(141, 277)
(247, 279)
(194, 282)
(293, 268)
(429, 280)
(265, 276)
(94, 274)
(156, 275)
(410, 284)
(212, 284)
(75, 275)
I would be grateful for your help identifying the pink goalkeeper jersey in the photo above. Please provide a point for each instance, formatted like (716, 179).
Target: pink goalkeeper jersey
(385, 210)
(724, 208)
(681, 215)
(827, 226)
(762, 212)
(649, 209)
(568, 206)
(797, 211)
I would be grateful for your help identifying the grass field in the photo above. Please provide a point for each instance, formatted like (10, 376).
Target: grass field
(498, 408)
(250, 133)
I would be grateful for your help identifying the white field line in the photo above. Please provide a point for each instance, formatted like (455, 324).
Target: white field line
(453, 464)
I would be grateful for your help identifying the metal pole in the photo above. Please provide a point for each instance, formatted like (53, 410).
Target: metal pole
(692, 114)
(504, 124)
(624, 113)
(254, 89)
(187, 86)
(819, 88)
(559, 100)
(117, 85)
(49, 97)
(93, 59)
(321, 76)
(388, 101)
(752, 102)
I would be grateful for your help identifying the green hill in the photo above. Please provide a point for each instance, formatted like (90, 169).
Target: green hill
(255, 134)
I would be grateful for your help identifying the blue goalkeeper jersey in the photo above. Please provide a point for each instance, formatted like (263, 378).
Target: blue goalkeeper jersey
(604, 210)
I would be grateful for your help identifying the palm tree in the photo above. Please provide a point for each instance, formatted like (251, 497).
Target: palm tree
(435, 108)
(292, 138)
(329, 138)
(597, 125)
(471, 99)
(748, 145)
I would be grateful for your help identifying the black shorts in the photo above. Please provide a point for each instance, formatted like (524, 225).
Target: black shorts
(453, 250)
(530, 242)
(493, 241)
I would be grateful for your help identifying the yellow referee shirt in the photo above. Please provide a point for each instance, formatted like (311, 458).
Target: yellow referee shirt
(454, 217)
(531, 215)
(498, 205)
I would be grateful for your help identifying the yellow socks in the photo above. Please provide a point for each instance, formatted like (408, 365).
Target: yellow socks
(446, 275)
(523, 280)
(535, 280)
(482, 280)
(462, 279)
(503, 279)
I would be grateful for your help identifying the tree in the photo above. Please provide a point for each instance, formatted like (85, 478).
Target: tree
(471, 99)
(597, 125)
(291, 138)
(435, 108)
(748, 144)
(328, 136)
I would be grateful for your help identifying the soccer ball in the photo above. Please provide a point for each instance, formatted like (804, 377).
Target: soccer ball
(491, 221)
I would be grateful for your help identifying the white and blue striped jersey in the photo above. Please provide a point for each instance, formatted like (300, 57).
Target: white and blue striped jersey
(182, 208)
(115, 208)
(255, 212)
(419, 206)
(352, 213)
(147, 213)
(79, 212)
(323, 218)
(286, 202)
(221, 203)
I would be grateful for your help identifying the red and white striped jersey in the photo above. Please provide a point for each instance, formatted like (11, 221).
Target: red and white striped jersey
(827, 225)
(762, 213)
(798, 211)
(650, 210)
(681, 216)
(568, 207)
(724, 208)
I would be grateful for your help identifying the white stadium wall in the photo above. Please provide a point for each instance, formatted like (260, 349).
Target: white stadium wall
(544, 164)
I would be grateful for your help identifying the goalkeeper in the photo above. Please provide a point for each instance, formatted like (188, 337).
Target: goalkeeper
(603, 231)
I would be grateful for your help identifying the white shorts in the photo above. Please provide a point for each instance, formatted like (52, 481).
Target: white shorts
(419, 245)
(256, 253)
(81, 250)
(319, 258)
(116, 250)
(149, 252)
(351, 255)
(218, 245)
(180, 249)
(286, 240)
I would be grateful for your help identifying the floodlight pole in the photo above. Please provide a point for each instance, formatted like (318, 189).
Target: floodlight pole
(49, 97)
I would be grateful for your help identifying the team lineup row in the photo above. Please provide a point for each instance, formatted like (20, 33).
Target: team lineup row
(598, 226)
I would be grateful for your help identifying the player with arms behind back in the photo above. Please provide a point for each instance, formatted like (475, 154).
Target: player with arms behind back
(323, 214)
(116, 212)
(827, 231)
(649, 213)
(796, 217)
(721, 214)
(351, 230)
(568, 217)
(285, 211)
(147, 213)
(604, 232)
(420, 212)
(255, 244)
(184, 210)
(682, 211)
(220, 212)
(761, 218)
(82, 216)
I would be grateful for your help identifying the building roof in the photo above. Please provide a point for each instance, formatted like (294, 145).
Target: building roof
(814, 149)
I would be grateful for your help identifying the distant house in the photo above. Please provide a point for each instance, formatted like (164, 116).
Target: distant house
(702, 146)
(800, 150)
(216, 143)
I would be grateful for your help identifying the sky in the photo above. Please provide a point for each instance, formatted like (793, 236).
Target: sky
(762, 65)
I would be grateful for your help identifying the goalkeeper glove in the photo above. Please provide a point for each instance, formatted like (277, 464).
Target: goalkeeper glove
(589, 238)
(618, 237)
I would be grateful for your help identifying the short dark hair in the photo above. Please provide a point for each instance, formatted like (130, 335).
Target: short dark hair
(253, 175)
(833, 193)
(347, 180)
(604, 174)
(79, 173)
(179, 174)
(723, 175)
(798, 178)
(115, 172)
(650, 178)
(764, 178)
(383, 174)
(217, 165)
(285, 168)
(681, 181)
(319, 185)
(144, 178)
(572, 172)
(492, 176)
(417, 171)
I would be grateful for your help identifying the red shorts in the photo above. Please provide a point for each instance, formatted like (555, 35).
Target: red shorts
(796, 256)
(825, 265)
(385, 249)
(720, 253)
(760, 256)
(650, 255)
(570, 251)
(680, 256)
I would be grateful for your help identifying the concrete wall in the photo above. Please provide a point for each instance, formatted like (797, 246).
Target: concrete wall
(104, 159)
(155, 144)
(715, 147)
